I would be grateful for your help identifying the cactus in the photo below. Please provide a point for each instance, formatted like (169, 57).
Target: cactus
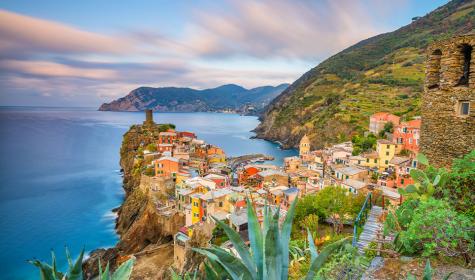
(425, 182)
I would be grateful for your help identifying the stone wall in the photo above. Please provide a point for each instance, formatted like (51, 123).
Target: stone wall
(445, 133)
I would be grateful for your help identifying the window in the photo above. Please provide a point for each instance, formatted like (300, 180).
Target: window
(387, 146)
(220, 204)
(467, 57)
(410, 140)
(387, 153)
(386, 161)
(404, 129)
(367, 160)
(464, 108)
(402, 181)
(433, 78)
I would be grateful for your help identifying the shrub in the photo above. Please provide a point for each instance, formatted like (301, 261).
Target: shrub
(437, 229)
(458, 189)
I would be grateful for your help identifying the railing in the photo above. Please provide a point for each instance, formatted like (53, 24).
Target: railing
(361, 218)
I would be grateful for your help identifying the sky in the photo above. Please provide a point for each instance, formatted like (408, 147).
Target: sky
(84, 53)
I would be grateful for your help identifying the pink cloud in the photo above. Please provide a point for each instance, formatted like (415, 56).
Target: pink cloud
(51, 69)
(24, 33)
(293, 29)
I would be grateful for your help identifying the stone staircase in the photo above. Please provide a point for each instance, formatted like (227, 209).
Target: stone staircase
(370, 229)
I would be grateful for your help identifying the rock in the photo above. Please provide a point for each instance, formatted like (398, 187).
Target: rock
(90, 267)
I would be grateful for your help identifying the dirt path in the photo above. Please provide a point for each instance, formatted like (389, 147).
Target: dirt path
(152, 264)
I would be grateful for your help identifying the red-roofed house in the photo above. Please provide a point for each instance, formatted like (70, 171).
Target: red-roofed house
(378, 120)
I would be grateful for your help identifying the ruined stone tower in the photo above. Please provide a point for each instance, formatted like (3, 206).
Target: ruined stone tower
(448, 102)
(148, 117)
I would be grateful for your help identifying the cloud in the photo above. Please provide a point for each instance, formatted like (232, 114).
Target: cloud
(252, 43)
(20, 34)
(293, 29)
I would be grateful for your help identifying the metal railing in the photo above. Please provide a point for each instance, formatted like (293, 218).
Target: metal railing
(361, 218)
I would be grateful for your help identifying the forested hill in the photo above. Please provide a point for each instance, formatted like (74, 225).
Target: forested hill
(335, 99)
(172, 99)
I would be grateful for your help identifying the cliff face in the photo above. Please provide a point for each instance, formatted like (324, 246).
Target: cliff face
(170, 99)
(334, 100)
(138, 223)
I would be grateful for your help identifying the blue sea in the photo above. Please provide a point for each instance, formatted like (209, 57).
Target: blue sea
(59, 176)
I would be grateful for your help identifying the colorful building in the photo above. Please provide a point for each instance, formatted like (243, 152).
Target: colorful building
(386, 151)
(377, 121)
(168, 137)
(407, 134)
(167, 166)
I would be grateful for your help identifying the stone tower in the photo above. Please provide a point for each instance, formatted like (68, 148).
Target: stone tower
(304, 146)
(148, 117)
(448, 102)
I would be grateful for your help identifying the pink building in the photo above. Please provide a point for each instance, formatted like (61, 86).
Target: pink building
(378, 120)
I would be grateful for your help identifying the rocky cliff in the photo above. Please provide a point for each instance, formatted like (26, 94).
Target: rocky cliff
(334, 100)
(171, 99)
(138, 223)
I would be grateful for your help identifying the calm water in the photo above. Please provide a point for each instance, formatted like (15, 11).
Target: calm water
(59, 176)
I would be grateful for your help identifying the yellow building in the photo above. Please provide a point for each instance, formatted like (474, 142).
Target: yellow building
(196, 212)
(304, 147)
(370, 160)
(386, 150)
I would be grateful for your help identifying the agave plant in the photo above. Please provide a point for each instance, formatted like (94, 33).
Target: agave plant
(427, 273)
(268, 255)
(425, 182)
(50, 272)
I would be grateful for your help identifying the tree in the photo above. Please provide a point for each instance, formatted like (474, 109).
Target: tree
(334, 203)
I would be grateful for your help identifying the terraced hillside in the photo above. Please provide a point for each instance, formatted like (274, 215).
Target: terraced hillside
(334, 100)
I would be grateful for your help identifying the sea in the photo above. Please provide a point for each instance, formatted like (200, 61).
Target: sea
(60, 176)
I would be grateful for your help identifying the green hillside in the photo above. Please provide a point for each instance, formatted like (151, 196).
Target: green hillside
(334, 100)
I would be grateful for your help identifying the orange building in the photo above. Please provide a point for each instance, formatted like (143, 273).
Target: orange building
(167, 166)
(407, 135)
(168, 137)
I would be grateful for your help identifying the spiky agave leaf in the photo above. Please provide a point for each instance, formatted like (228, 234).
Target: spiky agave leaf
(427, 271)
(255, 238)
(322, 258)
(232, 264)
(75, 270)
(273, 268)
(311, 245)
(46, 271)
(240, 247)
(285, 238)
(124, 271)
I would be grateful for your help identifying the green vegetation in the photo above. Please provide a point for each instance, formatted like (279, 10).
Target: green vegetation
(434, 220)
(382, 73)
(50, 272)
(425, 181)
(460, 181)
(333, 204)
(363, 144)
(268, 255)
